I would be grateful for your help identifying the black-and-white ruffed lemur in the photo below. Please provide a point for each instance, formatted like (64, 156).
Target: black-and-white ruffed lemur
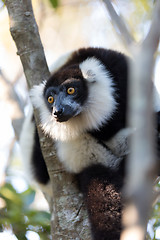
(82, 107)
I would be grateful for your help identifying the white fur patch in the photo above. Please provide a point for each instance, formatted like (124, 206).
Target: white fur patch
(92, 69)
(101, 102)
(83, 152)
(119, 143)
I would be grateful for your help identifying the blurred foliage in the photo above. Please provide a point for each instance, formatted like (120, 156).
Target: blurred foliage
(146, 4)
(17, 216)
(54, 3)
(1, 4)
(155, 217)
(154, 221)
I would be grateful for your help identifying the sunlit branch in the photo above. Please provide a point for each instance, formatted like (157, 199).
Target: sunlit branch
(119, 23)
(141, 169)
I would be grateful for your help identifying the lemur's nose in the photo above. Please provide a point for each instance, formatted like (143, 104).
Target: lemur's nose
(58, 112)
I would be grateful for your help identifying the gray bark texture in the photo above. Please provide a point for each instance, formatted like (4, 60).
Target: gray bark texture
(142, 161)
(69, 217)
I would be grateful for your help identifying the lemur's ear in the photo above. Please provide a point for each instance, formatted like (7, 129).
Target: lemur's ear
(92, 69)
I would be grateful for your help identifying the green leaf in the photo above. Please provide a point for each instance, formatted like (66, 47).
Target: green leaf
(39, 218)
(18, 215)
(9, 194)
(55, 3)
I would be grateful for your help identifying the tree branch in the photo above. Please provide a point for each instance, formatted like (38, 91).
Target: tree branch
(66, 198)
(141, 169)
(119, 23)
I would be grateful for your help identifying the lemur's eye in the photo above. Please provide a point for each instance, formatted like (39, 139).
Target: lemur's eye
(50, 99)
(70, 90)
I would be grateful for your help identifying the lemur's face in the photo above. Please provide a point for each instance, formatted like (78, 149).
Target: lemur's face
(65, 94)
(77, 98)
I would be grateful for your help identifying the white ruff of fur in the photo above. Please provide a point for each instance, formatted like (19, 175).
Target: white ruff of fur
(98, 109)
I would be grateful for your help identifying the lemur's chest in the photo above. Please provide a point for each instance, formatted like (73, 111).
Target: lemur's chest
(84, 151)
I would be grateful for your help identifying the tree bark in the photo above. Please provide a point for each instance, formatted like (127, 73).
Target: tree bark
(69, 218)
(141, 163)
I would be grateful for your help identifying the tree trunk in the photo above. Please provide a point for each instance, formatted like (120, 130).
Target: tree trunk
(69, 218)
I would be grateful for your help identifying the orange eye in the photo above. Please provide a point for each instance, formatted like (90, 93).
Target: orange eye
(50, 99)
(70, 90)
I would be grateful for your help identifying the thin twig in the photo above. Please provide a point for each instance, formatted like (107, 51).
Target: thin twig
(157, 180)
(152, 39)
(118, 21)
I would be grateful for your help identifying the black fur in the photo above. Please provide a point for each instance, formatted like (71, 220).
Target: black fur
(39, 165)
(103, 197)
